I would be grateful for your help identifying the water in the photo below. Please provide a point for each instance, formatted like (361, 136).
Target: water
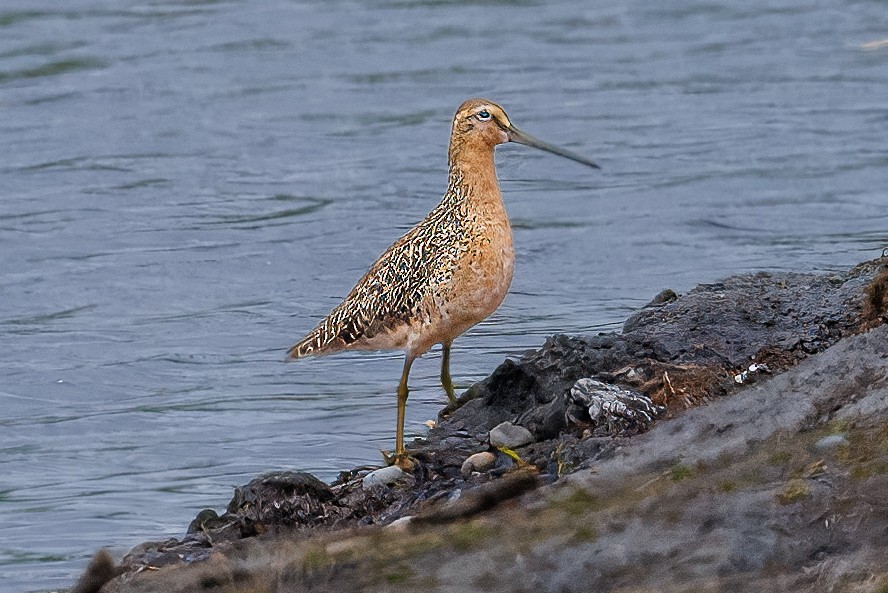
(187, 187)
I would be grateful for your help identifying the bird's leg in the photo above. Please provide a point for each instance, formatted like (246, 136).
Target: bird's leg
(446, 381)
(400, 457)
(402, 405)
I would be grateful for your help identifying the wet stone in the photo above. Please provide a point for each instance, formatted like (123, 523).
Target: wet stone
(281, 498)
(479, 462)
(383, 476)
(510, 436)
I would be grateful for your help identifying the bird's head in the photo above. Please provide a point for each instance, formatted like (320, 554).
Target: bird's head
(480, 123)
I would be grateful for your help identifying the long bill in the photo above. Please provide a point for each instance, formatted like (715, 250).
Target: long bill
(516, 135)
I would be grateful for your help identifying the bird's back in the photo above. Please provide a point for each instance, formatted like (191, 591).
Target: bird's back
(402, 300)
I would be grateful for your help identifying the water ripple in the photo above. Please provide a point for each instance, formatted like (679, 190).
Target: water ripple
(54, 68)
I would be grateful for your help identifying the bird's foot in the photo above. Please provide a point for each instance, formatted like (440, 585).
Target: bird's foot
(402, 460)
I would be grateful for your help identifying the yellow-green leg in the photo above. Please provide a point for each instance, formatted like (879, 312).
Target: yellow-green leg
(402, 405)
(446, 381)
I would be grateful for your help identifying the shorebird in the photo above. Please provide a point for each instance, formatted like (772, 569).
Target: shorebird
(444, 275)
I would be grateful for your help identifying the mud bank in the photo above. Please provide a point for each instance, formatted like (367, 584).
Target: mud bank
(737, 438)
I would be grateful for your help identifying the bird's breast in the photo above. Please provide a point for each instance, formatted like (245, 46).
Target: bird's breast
(468, 269)
(480, 280)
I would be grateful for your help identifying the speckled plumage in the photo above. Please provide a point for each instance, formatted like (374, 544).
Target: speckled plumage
(448, 272)
(409, 291)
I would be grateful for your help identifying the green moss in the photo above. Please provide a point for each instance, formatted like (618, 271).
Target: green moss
(424, 542)
(585, 533)
(779, 458)
(838, 426)
(385, 554)
(315, 557)
(468, 536)
(867, 452)
(681, 472)
(794, 491)
(727, 485)
(862, 471)
(398, 574)
(578, 502)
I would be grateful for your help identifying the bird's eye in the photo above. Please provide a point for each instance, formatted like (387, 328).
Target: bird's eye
(483, 115)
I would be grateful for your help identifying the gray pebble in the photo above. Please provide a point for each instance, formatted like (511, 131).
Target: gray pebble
(383, 476)
(510, 436)
(479, 462)
(831, 442)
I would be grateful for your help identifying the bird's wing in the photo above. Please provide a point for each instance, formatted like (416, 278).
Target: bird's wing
(390, 293)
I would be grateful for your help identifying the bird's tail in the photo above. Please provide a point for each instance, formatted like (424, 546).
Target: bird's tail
(307, 346)
(321, 340)
(330, 335)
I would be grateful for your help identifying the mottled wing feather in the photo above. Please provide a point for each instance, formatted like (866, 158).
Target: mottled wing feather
(393, 290)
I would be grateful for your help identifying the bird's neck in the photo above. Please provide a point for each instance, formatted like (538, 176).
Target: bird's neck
(473, 178)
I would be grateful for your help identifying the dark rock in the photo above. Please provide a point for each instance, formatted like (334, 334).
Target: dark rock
(280, 499)
(680, 353)
(667, 295)
(206, 519)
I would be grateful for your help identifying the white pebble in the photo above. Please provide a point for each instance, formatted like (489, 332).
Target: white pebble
(400, 525)
(832, 441)
(478, 462)
(383, 476)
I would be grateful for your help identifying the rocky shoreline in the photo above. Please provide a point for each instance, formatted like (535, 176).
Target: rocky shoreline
(735, 437)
